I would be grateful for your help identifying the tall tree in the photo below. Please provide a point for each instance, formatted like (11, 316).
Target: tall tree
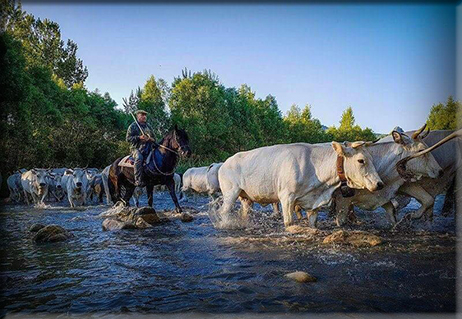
(445, 117)
(43, 45)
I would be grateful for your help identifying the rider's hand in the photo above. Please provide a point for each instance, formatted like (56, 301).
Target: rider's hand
(144, 138)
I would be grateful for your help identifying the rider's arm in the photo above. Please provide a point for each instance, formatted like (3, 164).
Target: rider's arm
(133, 136)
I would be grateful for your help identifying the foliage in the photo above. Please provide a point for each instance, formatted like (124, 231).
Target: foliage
(302, 127)
(348, 131)
(42, 44)
(445, 117)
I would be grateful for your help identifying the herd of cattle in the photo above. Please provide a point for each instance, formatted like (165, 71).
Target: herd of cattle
(80, 186)
(298, 176)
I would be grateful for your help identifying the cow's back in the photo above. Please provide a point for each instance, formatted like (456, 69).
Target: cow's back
(195, 178)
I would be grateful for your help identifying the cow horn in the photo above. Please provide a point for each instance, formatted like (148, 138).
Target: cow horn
(425, 134)
(417, 133)
(401, 165)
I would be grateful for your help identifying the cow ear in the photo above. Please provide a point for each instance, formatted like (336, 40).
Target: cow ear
(68, 171)
(338, 148)
(34, 171)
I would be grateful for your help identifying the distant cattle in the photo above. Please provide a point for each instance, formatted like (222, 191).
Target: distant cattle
(202, 179)
(15, 187)
(35, 183)
(76, 186)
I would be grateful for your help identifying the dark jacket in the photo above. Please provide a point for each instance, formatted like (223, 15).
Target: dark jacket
(134, 133)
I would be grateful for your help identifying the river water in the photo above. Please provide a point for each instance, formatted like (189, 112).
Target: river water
(178, 267)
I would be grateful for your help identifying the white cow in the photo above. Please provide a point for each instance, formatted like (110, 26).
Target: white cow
(449, 158)
(14, 186)
(34, 183)
(105, 178)
(386, 155)
(76, 186)
(55, 187)
(202, 179)
(297, 174)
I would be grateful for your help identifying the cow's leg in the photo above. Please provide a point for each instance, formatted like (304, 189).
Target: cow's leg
(449, 199)
(71, 201)
(229, 199)
(312, 216)
(343, 208)
(171, 188)
(276, 212)
(298, 211)
(246, 205)
(288, 206)
(421, 195)
(391, 212)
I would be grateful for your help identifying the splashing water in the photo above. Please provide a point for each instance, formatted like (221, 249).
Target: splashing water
(221, 220)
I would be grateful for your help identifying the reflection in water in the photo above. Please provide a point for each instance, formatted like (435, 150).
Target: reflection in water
(193, 266)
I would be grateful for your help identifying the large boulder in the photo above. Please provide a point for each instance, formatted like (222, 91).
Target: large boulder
(130, 218)
(354, 238)
(51, 234)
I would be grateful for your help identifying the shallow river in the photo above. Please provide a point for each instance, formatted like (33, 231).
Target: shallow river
(176, 267)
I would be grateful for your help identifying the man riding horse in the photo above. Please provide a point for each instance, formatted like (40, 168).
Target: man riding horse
(140, 144)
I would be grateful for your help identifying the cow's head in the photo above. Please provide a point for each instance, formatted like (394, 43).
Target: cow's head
(58, 181)
(79, 179)
(39, 178)
(358, 166)
(421, 166)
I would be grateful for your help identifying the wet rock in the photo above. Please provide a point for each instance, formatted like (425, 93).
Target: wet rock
(113, 224)
(354, 238)
(301, 276)
(130, 218)
(296, 229)
(186, 217)
(36, 227)
(51, 233)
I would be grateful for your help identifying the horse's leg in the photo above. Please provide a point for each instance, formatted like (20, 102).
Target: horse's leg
(150, 193)
(129, 189)
(171, 188)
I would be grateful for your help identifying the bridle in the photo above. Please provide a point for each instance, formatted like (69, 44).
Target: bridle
(171, 150)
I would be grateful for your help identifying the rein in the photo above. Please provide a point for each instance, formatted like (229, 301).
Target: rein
(176, 160)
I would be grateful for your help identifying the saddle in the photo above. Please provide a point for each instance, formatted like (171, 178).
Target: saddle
(129, 161)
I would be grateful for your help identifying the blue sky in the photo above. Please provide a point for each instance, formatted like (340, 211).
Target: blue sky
(391, 63)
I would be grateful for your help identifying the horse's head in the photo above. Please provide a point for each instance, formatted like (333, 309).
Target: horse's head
(180, 142)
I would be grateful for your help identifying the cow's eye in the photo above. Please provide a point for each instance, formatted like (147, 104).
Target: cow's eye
(361, 161)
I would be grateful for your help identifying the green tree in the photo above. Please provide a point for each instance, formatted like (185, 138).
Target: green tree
(349, 131)
(302, 127)
(43, 45)
(152, 100)
(445, 117)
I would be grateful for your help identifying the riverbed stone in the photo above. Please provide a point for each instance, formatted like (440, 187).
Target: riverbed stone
(130, 218)
(51, 233)
(186, 217)
(354, 238)
(36, 227)
(301, 276)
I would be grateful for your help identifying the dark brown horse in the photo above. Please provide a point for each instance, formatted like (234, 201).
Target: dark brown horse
(158, 169)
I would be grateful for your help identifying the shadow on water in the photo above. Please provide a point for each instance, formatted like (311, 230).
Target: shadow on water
(176, 267)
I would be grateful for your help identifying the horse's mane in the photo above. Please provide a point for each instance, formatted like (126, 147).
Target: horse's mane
(167, 137)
